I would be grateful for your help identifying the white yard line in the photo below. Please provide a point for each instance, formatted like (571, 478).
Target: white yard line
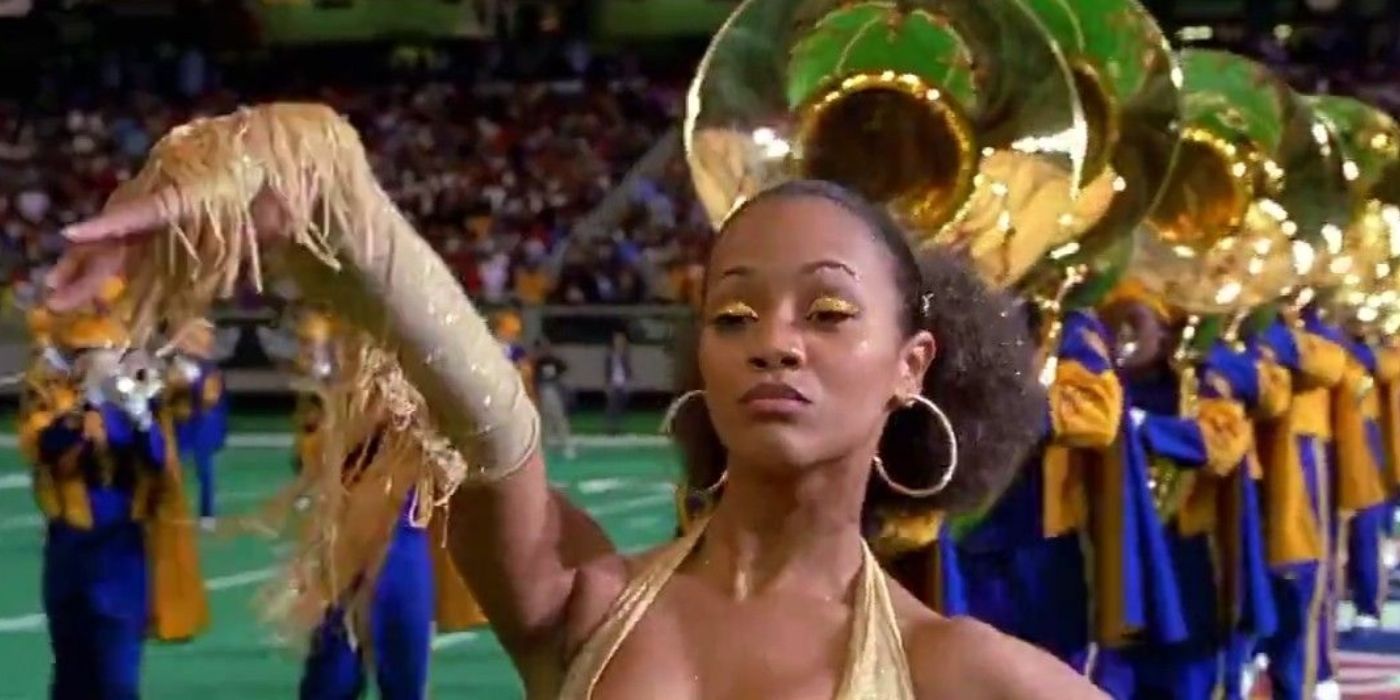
(30, 521)
(240, 579)
(631, 504)
(452, 639)
(23, 623)
(284, 440)
(35, 621)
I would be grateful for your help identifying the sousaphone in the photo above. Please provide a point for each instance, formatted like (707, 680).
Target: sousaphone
(1129, 86)
(962, 116)
(1357, 280)
(1255, 190)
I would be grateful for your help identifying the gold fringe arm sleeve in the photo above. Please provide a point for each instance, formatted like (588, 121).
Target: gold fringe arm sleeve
(301, 169)
(418, 367)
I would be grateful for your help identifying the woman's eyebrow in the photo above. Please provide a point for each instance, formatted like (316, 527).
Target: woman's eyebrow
(819, 265)
(807, 269)
(736, 271)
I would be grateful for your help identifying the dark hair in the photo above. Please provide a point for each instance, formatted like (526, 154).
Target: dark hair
(982, 376)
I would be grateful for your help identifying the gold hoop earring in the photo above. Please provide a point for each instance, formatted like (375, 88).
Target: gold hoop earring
(710, 490)
(948, 473)
(674, 409)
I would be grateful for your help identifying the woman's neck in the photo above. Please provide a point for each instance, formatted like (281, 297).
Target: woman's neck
(801, 531)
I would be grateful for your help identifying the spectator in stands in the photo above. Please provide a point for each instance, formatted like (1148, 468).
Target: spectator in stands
(617, 376)
(494, 272)
(515, 164)
(553, 397)
(533, 283)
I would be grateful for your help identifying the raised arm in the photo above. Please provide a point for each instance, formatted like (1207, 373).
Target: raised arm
(343, 241)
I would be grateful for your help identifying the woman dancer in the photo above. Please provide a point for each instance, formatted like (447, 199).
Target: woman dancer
(823, 341)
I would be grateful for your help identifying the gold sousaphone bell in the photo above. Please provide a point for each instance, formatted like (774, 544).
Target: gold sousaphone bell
(1255, 190)
(961, 116)
(1357, 281)
(1128, 83)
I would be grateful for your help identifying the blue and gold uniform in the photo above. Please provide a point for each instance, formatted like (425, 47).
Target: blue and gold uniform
(1204, 453)
(416, 591)
(1388, 395)
(1194, 452)
(400, 618)
(119, 559)
(1299, 505)
(1365, 576)
(395, 596)
(1264, 388)
(1087, 493)
(1355, 478)
(197, 402)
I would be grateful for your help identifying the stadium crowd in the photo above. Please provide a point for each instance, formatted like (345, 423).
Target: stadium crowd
(496, 171)
(496, 174)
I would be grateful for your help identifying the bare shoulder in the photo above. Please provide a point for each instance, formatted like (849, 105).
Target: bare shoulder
(599, 583)
(984, 663)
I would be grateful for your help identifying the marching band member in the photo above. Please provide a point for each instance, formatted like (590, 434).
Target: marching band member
(1388, 377)
(1356, 467)
(199, 406)
(1234, 370)
(1196, 451)
(119, 562)
(1297, 503)
(370, 600)
(397, 599)
(1088, 488)
(1365, 575)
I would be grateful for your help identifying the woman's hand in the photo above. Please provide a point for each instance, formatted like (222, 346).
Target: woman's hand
(97, 251)
(99, 248)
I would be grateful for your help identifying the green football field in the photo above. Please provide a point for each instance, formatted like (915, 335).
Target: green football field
(625, 483)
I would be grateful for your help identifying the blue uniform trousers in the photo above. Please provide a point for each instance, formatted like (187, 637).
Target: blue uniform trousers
(96, 601)
(400, 625)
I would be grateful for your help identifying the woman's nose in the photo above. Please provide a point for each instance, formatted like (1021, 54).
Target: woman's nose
(778, 347)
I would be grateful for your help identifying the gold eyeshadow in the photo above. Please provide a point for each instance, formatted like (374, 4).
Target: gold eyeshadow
(735, 310)
(833, 305)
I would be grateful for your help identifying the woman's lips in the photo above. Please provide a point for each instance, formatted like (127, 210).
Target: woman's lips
(773, 399)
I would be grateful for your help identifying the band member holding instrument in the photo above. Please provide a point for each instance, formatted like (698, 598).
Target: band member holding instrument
(119, 560)
(1195, 441)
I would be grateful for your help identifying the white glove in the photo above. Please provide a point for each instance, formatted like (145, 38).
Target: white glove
(138, 409)
(129, 396)
(1137, 416)
(187, 369)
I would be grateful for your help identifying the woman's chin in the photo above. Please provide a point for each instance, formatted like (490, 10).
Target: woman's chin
(776, 447)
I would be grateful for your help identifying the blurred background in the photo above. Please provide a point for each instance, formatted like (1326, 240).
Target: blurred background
(535, 143)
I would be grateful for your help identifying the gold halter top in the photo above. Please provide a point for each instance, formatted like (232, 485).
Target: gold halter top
(876, 667)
